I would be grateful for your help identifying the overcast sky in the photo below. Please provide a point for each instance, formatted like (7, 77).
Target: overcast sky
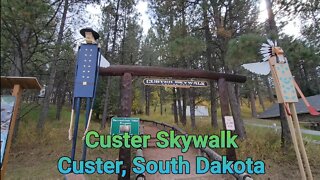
(95, 11)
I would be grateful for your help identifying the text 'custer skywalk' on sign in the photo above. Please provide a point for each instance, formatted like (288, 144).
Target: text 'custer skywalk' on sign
(121, 125)
(174, 83)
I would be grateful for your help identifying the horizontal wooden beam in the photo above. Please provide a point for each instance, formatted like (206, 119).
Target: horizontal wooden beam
(119, 70)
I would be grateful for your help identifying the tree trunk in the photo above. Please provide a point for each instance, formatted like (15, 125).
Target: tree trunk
(105, 104)
(253, 104)
(306, 83)
(174, 106)
(16, 68)
(270, 94)
(115, 30)
(237, 93)
(155, 107)
(58, 95)
(61, 100)
(272, 26)
(225, 111)
(123, 38)
(316, 79)
(192, 107)
(213, 107)
(258, 92)
(45, 108)
(260, 100)
(209, 49)
(147, 98)
(285, 133)
(161, 101)
(184, 107)
(236, 112)
(179, 105)
(286, 140)
(106, 93)
(22, 54)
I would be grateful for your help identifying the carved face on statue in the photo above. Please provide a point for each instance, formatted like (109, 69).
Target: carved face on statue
(279, 55)
(90, 35)
(89, 38)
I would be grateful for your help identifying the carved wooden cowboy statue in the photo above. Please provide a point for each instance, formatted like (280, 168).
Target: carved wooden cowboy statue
(90, 35)
(86, 77)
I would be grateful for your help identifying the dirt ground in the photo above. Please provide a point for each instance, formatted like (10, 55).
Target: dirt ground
(153, 153)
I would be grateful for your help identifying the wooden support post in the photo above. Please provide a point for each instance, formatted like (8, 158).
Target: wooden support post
(225, 111)
(300, 141)
(126, 104)
(295, 145)
(279, 72)
(17, 92)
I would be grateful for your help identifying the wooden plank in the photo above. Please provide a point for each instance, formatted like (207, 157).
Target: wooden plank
(25, 82)
(295, 146)
(17, 92)
(300, 141)
(119, 70)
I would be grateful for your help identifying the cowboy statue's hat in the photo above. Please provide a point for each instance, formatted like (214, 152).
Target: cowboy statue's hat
(88, 29)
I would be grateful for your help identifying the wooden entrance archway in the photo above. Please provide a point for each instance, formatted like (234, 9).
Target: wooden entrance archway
(127, 72)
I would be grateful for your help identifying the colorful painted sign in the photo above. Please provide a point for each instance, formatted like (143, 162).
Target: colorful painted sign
(286, 85)
(7, 106)
(175, 83)
(120, 125)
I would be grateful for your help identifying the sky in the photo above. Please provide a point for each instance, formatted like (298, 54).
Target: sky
(292, 28)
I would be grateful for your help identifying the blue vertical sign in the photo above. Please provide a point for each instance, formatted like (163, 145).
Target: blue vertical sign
(86, 76)
(86, 70)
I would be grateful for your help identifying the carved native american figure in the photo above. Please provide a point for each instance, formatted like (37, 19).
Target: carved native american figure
(275, 61)
(284, 82)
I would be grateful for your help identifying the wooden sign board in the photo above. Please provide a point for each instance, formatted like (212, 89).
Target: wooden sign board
(7, 105)
(175, 83)
(8, 82)
(17, 84)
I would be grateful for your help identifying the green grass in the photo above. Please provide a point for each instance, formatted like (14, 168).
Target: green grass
(311, 137)
(34, 155)
(260, 144)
